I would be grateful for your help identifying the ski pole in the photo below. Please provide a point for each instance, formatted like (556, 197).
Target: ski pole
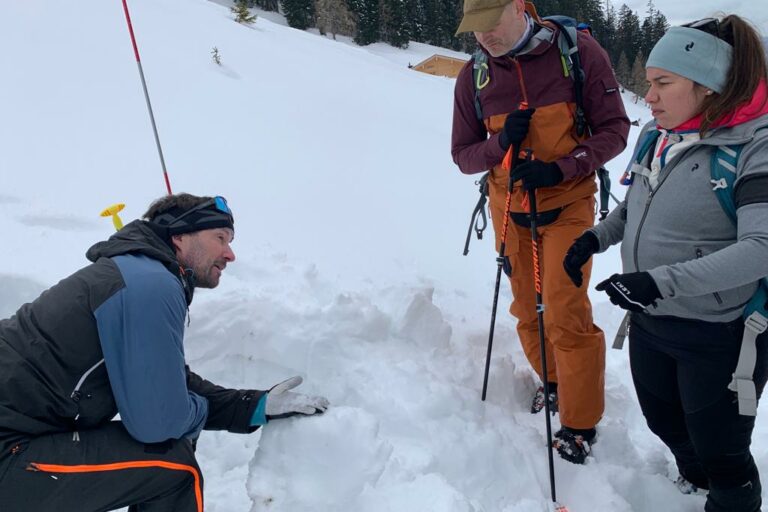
(146, 96)
(542, 342)
(508, 163)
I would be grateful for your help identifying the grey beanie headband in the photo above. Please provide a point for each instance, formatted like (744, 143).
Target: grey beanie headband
(693, 54)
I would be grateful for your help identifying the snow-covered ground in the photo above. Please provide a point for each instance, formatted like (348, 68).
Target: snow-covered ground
(350, 219)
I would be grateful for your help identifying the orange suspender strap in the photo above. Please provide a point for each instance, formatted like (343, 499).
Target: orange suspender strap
(92, 468)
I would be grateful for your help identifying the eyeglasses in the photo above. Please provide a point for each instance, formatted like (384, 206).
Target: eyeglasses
(218, 203)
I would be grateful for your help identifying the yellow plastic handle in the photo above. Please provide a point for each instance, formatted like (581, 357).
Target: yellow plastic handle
(113, 212)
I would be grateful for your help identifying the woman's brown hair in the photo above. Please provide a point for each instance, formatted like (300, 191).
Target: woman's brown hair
(748, 68)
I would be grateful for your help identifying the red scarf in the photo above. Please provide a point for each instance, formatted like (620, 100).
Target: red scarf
(754, 108)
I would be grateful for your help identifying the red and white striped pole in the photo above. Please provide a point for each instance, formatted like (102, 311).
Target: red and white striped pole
(146, 96)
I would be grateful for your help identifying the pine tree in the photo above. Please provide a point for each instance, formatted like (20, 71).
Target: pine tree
(629, 37)
(414, 13)
(395, 29)
(216, 56)
(658, 28)
(298, 13)
(623, 74)
(367, 13)
(267, 5)
(608, 38)
(242, 14)
(591, 11)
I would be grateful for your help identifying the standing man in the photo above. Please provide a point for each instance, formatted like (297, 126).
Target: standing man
(109, 339)
(522, 96)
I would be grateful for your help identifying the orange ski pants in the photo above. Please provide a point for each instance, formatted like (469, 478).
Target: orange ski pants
(575, 346)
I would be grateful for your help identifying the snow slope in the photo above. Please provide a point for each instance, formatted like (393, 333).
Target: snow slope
(350, 219)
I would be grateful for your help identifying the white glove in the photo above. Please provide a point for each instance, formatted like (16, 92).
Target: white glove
(282, 403)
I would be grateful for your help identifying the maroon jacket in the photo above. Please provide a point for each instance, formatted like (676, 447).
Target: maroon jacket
(544, 81)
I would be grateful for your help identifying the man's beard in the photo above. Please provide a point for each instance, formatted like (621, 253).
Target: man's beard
(211, 276)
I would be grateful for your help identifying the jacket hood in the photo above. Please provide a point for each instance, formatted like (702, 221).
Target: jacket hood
(136, 237)
(541, 38)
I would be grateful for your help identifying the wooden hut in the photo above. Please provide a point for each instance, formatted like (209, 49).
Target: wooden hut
(440, 65)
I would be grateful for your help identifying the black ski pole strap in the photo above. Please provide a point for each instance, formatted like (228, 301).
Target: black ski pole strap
(605, 191)
(479, 219)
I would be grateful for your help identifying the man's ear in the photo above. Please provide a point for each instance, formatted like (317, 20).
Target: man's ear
(520, 6)
(176, 240)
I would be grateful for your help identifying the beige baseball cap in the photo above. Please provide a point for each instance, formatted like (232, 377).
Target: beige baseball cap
(481, 15)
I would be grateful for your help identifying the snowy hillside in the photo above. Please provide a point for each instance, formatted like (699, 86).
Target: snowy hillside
(350, 221)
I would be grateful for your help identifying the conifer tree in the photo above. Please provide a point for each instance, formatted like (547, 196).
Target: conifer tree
(628, 35)
(414, 13)
(607, 39)
(395, 28)
(623, 74)
(216, 56)
(298, 13)
(242, 14)
(367, 13)
(267, 5)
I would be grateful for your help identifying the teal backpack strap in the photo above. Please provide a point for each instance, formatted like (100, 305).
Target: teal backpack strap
(723, 175)
(480, 77)
(723, 171)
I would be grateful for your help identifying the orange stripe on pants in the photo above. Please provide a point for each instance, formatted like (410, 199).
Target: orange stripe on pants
(117, 466)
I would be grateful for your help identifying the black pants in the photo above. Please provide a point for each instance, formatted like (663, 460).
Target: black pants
(106, 469)
(681, 370)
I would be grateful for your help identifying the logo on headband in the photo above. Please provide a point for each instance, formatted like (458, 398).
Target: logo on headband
(689, 46)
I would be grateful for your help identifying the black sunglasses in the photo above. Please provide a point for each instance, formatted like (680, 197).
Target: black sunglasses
(709, 25)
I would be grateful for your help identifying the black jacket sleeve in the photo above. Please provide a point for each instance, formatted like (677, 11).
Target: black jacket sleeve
(228, 409)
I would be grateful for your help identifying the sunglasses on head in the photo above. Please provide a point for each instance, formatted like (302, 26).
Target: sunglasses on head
(218, 203)
(709, 25)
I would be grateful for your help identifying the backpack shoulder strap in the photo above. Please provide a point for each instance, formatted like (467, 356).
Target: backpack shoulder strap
(567, 41)
(723, 175)
(480, 78)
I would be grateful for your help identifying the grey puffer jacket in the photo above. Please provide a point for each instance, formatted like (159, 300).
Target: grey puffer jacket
(705, 267)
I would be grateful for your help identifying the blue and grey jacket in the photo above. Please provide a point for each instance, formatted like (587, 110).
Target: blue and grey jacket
(705, 267)
(109, 339)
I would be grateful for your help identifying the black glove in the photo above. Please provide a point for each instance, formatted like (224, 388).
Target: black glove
(537, 174)
(578, 254)
(633, 292)
(515, 127)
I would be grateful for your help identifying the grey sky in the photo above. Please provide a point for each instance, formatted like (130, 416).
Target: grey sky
(683, 11)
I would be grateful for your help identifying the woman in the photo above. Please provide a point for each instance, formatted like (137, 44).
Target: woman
(689, 268)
